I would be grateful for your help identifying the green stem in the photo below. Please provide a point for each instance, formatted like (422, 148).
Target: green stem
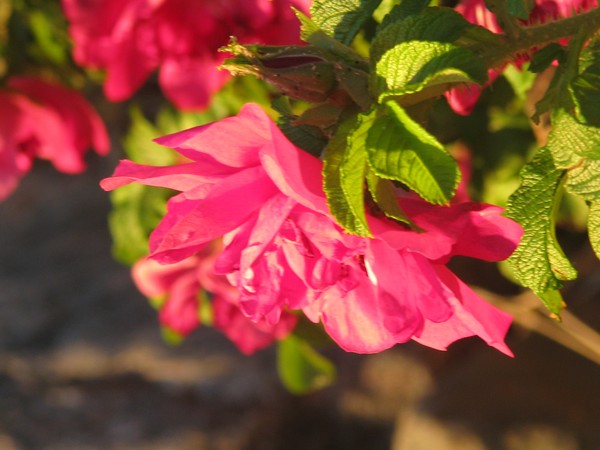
(539, 35)
(509, 23)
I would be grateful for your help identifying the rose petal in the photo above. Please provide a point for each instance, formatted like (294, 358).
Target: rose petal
(472, 317)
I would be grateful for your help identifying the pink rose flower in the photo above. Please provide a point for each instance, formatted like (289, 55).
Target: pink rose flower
(47, 121)
(130, 39)
(284, 251)
(463, 99)
(179, 285)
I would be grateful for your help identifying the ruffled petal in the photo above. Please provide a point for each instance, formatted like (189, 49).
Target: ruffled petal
(181, 310)
(154, 279)
(354, 319)
(429, 242)
(233, 141)
(190, 223)
(260, 288)
(411, 279)
(249, 336)
(196, 177)
(472, 317)
(270, 219)
(295, 172)
(472, 229)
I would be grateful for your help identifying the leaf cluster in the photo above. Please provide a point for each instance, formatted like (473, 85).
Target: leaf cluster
(367, 117)
(569, 162)
(368, 86)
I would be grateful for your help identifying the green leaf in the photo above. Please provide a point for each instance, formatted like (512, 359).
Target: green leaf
(434, 24)
(5, 14)
(205, 308)
(590, 54)
(400, 149)
(575, 146)
(306, 137)
(594, 227)
(586, 94)
(157, 302)
(584, 180)
(311, 33)
(350, 69)
(356, 83)
(571, 141)
(45, 33)
(405, 9)
(323, 115)
(521, 81)
(171, 337)
(301, 368)
(136, 211)
(412, 66)
(138, 143)
(353, 168)
(557, 96)
(542, 59)
(539, 262)
(520, 8)
(342, 19)
(305, 131)
(344, 165)
(384, 195)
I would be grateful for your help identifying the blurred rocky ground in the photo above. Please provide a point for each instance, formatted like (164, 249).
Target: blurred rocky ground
(83, 366)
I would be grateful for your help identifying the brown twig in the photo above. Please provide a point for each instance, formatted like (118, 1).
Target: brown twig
(528, 313)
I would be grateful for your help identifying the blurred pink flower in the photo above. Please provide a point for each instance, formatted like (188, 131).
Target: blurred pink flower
(130, 39)
(47, 121)
(178, 286)
(283, 250)
(463, 99)
(248, 335)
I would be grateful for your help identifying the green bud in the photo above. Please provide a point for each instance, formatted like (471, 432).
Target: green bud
(299, 72)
